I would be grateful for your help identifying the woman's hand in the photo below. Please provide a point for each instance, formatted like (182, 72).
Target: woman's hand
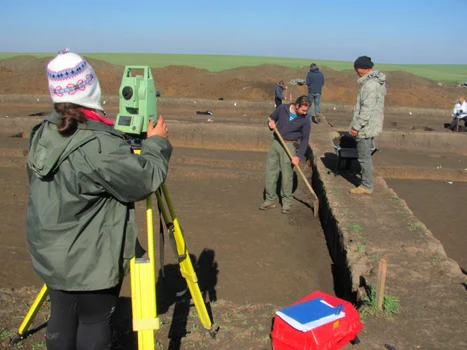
(160, 128)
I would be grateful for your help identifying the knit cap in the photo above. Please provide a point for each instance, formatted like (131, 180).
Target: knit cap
(363, 62)
(72, 79)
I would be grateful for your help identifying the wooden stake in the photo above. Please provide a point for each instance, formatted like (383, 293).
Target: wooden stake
(381, 283)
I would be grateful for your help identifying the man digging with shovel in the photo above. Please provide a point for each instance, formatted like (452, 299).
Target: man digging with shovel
(293, 125)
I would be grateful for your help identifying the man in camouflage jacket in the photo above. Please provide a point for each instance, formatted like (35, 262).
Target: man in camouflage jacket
(368, 116)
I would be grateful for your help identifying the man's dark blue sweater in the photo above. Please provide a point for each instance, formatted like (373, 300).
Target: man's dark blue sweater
(298, 128)
(315, 81)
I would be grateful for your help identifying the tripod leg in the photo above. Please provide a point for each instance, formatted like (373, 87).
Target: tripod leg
(143, 290)
(36, 305)
(160, 202)
(187, 270)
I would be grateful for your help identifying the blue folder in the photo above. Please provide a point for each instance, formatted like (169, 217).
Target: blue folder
(310, 314)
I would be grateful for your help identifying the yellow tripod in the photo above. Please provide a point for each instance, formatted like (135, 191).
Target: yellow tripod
(143, 290)
(143, 281)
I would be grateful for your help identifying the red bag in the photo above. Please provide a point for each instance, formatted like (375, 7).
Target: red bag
(330, 336)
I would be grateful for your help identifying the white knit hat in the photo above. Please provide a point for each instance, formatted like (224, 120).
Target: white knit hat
(72, 79)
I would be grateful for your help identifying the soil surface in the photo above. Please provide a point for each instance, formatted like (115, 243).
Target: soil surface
(425, 289)
(249, 262)
(26, 75)
(419, 158)
(440, 206)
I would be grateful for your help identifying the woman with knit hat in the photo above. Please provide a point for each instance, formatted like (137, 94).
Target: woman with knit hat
(83, 182)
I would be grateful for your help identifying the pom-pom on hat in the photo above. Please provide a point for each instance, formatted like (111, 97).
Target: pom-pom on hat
(72, 79)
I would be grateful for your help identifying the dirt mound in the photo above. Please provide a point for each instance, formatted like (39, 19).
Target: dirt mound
(403, 79)
(31, 64)
(4, 70)
(26, 75)
(23, 64)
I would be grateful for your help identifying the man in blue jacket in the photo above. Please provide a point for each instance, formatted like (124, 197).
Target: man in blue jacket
(315, 82)
(279, 93)
(294, 126)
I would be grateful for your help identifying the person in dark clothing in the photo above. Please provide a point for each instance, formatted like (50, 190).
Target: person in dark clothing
(294, 126)
(315, 82)
(279, 93)
(80, 225)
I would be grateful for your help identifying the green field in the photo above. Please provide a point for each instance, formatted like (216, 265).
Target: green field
(439, 72)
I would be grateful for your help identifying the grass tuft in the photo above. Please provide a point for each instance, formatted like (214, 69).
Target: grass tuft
(355, 228)
(391, 304)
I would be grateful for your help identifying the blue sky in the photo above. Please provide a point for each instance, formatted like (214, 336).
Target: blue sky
(410, 31)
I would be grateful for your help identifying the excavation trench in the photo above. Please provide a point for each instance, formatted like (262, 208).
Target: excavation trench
(341, 272)
(216, 180)
(248, 146)
(221, 152)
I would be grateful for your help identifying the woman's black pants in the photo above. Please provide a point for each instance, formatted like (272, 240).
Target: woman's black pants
(81, 320)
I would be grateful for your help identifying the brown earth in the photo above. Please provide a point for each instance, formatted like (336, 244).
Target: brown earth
(428, 285)
(26, 75)
(440, 205)
(249, 262)
(220, 189)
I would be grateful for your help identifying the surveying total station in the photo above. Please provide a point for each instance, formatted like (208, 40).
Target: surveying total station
(137, 106)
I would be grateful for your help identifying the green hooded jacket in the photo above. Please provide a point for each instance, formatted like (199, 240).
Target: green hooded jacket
(368, 115)
(81, 225)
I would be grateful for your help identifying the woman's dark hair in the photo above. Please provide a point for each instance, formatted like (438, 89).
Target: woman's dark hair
(302, 101)
(70, 117)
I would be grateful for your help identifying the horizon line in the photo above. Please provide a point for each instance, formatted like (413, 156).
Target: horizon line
(227, 55)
